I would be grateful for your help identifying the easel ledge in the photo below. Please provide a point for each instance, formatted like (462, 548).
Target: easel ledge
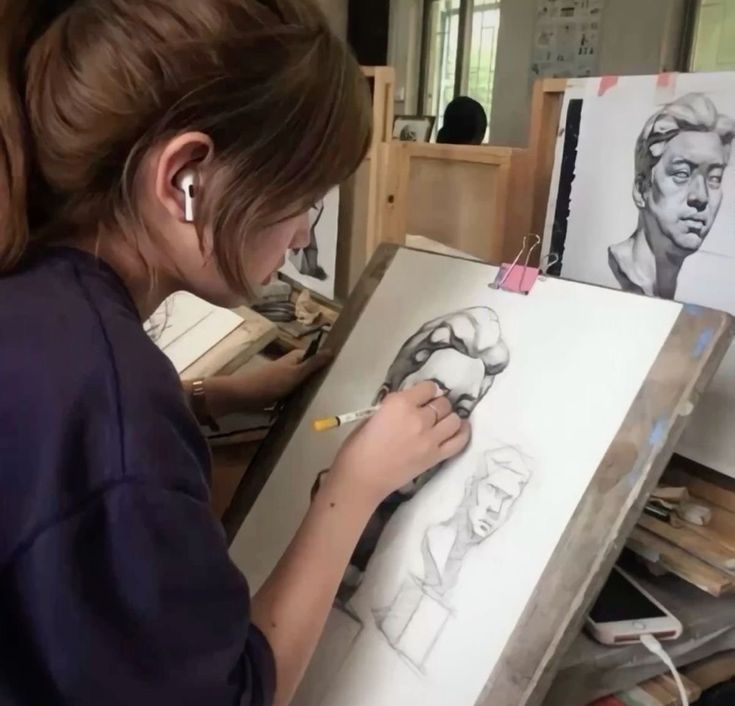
(614, 499)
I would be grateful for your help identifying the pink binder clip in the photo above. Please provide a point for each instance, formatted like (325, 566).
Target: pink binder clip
(515, 277)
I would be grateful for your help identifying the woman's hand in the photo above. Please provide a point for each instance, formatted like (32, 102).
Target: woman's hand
(412, 432)
(277, 379)
(257, 389)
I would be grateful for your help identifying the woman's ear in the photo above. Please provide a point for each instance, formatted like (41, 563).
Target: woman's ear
(178, 177)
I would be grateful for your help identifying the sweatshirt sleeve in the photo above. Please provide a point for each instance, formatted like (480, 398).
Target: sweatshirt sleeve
(133, 599)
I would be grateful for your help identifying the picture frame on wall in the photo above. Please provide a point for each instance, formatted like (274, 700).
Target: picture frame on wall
(413, 128)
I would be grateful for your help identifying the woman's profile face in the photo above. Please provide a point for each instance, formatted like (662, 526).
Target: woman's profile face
(263, 253)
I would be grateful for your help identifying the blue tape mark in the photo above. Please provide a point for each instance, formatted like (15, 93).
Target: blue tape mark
(702, 344)
(659, 432)
(694, 309)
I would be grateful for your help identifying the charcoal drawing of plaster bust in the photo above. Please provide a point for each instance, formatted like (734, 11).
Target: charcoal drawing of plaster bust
(462, 353)
(306, 260)
(412, 624)
(680, 159)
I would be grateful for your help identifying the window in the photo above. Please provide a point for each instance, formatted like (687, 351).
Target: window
(714, 36)
(459, 53)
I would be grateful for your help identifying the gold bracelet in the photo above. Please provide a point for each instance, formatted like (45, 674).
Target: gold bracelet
(199, 405)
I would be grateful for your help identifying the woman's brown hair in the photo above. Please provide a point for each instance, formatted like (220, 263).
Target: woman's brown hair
(88, 87)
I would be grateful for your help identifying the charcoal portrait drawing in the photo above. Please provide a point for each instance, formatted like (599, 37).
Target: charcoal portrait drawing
(413, 622)
(462, 353)
(306, 260)
(680, 160)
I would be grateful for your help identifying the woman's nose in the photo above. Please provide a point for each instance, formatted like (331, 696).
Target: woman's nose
(302, 233)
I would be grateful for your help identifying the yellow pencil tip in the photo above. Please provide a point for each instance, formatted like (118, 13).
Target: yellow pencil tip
(325, 424)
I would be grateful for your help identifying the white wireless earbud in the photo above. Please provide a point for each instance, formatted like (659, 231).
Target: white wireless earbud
(186, 181)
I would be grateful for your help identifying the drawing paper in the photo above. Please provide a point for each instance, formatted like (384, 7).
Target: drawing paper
(422, 628)
(185, 327)
(603, 213)
(317, 271)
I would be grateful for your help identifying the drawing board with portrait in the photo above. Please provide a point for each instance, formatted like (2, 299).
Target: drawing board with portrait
(455, 592)
(643, 200)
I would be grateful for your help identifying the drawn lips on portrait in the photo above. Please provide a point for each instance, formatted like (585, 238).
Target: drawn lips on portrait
(414, 621)
(680, 160)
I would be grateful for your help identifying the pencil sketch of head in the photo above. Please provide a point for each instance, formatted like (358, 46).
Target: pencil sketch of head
(680, 159)
(414, 621)
(461, 352)
(491, 493)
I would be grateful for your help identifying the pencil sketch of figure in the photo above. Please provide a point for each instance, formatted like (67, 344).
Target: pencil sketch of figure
(462, 353)
(413, 622)
(159, 321)
(306, 261)
(680, 159)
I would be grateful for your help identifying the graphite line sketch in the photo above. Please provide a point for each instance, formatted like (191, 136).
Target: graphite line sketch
(462, 353)
(680, 159)
(160, 321)
(413, 623)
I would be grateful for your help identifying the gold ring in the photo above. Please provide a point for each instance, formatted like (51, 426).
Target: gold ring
(436, 413)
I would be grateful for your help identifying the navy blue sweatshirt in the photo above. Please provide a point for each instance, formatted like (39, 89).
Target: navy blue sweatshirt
(115, 583)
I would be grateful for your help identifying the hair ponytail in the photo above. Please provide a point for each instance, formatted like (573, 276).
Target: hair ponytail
(15, 28)
(20, 24)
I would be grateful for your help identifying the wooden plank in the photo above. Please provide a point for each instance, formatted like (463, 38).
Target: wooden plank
(546, 106)
(708, 551)
(712, 533)
(665, 692)
(236, 349)
(720, 494)
(606, 514)
(705, 577)
(712, 671)
(229, 466)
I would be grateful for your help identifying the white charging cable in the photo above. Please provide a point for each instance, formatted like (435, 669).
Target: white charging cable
(654, 646)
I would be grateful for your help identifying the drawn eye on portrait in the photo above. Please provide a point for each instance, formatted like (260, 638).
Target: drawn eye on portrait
(462, 353)
(681, 156)
(414, 621)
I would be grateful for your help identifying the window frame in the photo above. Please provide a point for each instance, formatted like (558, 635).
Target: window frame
(464, 47)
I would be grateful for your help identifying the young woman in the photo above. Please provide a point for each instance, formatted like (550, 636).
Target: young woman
(115, 582)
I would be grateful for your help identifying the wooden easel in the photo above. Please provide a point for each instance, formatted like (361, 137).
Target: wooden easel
(614, 499)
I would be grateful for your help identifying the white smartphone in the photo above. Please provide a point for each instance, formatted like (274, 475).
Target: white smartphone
(624, 611)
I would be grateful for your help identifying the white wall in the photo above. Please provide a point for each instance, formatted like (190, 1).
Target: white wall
(638, 37)
(404, 52)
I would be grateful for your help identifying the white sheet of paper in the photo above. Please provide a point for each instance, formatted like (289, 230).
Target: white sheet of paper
(602, 212)
(185, 327)
(326, 237)
(578, 356)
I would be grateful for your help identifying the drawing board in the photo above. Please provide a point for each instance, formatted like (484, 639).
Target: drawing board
(643, 199)
(314, 267)
(185, 327)
(472, 583)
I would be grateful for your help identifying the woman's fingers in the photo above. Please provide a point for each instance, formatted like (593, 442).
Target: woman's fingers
(456, 444)
(422, 393)
(446, 429)
(436, 410)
